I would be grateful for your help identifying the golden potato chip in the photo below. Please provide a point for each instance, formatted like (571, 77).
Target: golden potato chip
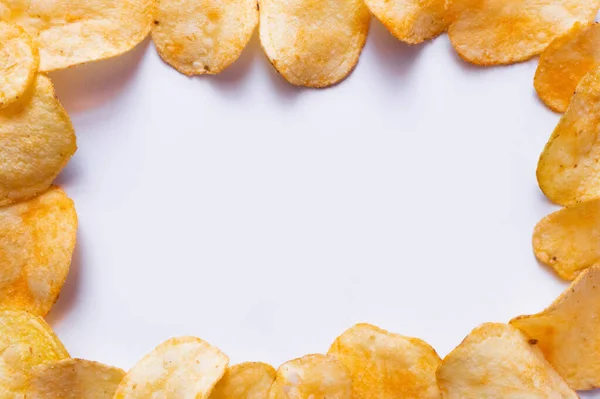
(37, 238)
(312, 377)
(313, 43)
(74, 379)
(36, 142)
(71, 32)
(203, 36)
(383, 364)
(19, 61)
(497, 361)
(179, 368)
(245, 381)
(494, 32)
(25, 342)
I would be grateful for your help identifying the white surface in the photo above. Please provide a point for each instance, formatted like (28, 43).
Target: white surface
(267, 219)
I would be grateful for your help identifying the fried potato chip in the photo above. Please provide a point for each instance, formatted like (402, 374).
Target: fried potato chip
(490, 32)
(25, 342)
(37, 238)
(74, 379)
(179, 368)
(71, 32)
(314, 43)
(203, 36)
(312, 377)
(497, 361)
(245, 381)
(383, 364)
(19, 62)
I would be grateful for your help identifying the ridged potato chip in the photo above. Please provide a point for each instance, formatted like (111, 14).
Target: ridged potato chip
(245, 381)
(74, 379)
(497, 361)
(179, 368)
(312, 377)
(491, 32)
(19, 62)
(36, 141)
(314, 43)
(385, 365)
(37, 238)
(203, 36)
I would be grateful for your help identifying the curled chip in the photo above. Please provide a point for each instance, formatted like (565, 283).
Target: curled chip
(505, 31)
(19, 61)
(179, 368)
(74, 379)
(245, 381)
(36, 142)
(497, 361)
(313, 43)
(203, 36)
(71, 32)
(564, 63)
(312, 377)
(383, 364)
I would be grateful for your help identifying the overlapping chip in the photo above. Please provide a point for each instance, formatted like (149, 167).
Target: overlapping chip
(383, 364)
(313, 43)
(245, 381)
(497, 361)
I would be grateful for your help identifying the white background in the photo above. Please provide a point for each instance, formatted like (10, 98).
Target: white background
(267, 219)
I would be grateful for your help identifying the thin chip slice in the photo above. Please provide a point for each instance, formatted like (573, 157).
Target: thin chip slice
(245, 381)
(36, 142)
(179, 368)
(383, 364)
(497, 361)
(314, 43)
(26, 341)
(491, 32)
(203, 36)
(74, 379)
(19, 62)
(312, 377)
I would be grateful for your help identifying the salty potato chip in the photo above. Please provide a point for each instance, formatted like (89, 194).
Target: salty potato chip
(179, 368)
(383, 364)
(19, 61)
(490, 32)
(497, 361)
(203, 36)
(314, 43)
(312, 377)
(245, 381)
(74, 379)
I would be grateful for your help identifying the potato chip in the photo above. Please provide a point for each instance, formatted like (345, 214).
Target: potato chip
(19, 61)
(497, 361)
(74, 379)
(36, 142)
(312, 377)
(245, 381)
(314, 43)
(25, 342)
(490, 32)
(203, 36)
(71, 32)
(383, 364)
(179, 368)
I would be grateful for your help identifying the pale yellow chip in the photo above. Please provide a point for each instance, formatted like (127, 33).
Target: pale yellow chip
(245, 381)
(19, 62)
(203, 36)
(74, 379)
(383, 364)
(179, 368)
(497, 361)
(312, 377)
(36, 141)
(490, 32)
(71, 32)
(26, 341)
(314, 43)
